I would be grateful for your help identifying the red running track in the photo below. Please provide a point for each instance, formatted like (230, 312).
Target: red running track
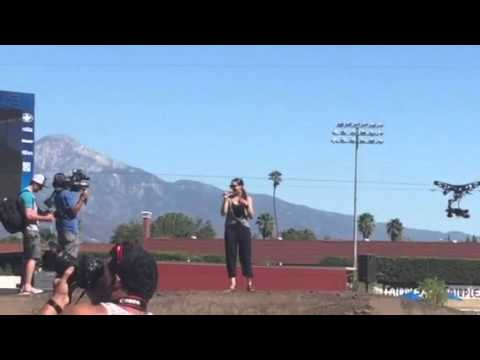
(179, 276)
(184, 276)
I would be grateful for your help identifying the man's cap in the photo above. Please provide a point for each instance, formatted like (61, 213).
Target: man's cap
(40, 180)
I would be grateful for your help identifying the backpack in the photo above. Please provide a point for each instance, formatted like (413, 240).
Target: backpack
(12, 214)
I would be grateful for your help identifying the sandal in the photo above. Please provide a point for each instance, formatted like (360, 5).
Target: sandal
(250, 288)
(30, 292)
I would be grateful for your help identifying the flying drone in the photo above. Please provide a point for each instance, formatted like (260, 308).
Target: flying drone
(459, 191)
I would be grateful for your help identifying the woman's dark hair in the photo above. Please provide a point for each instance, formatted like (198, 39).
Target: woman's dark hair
(136, 268)
(239, 181)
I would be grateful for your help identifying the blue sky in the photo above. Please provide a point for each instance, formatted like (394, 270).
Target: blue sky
(246, 110)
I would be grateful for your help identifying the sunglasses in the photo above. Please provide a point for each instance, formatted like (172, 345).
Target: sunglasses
(233, 186)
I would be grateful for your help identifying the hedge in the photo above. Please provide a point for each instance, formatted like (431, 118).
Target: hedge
(175, 256)
(336, 262)
(11, 264)
(410, 271)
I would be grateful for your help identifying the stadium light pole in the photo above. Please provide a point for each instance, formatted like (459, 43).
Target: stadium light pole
(357, 134)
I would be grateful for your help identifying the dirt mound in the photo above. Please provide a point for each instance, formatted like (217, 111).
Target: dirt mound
(258, 303)
(289, 303)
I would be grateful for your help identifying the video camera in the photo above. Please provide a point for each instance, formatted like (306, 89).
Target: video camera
(88, 269)
(458, 212)
(78, 181)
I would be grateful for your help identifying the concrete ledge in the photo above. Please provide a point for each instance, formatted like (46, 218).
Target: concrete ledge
(9, 282)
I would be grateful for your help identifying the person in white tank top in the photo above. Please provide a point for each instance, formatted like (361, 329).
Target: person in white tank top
(128, 283)
(114, 309)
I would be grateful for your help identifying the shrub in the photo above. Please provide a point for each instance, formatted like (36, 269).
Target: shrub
(435, 291)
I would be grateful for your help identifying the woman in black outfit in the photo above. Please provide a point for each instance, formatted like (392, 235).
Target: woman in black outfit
(237, 208)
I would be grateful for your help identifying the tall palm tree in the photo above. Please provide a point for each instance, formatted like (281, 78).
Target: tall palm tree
(395, 229)
(366, 225)
(265, 225)
(276, 177)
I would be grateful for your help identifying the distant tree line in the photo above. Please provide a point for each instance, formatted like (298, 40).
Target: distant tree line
(171, 225)
(473, 239)
(178, 225)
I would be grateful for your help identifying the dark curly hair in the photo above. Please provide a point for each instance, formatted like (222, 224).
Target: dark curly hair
(136, 268)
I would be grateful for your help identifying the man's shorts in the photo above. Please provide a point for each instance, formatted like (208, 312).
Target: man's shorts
(31, 245)
(69, 243)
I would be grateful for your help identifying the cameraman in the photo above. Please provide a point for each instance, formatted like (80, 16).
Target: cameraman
(129, 281)
(68, 205)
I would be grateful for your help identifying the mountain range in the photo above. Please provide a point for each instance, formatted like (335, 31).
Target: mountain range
(119, 192)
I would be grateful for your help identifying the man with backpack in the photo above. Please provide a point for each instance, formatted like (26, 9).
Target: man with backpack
(31, 234)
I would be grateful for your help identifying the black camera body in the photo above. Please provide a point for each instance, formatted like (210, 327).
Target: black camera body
(78, 181)
(88, 269)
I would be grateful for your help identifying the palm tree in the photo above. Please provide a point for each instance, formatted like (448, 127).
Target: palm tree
(395, 229)
(366, 225)
(276, 177)
(265, 225)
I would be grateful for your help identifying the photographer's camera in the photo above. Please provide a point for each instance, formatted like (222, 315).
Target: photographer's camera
(88, 269)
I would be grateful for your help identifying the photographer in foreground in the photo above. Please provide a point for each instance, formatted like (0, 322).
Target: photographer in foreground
(127, 282)
(68, 205)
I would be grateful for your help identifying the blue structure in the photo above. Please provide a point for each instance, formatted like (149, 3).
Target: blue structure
(412, 296)
(17, 141)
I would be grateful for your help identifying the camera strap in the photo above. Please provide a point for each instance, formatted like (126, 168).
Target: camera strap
(133, 302)
(60, 210)
(81, 296)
